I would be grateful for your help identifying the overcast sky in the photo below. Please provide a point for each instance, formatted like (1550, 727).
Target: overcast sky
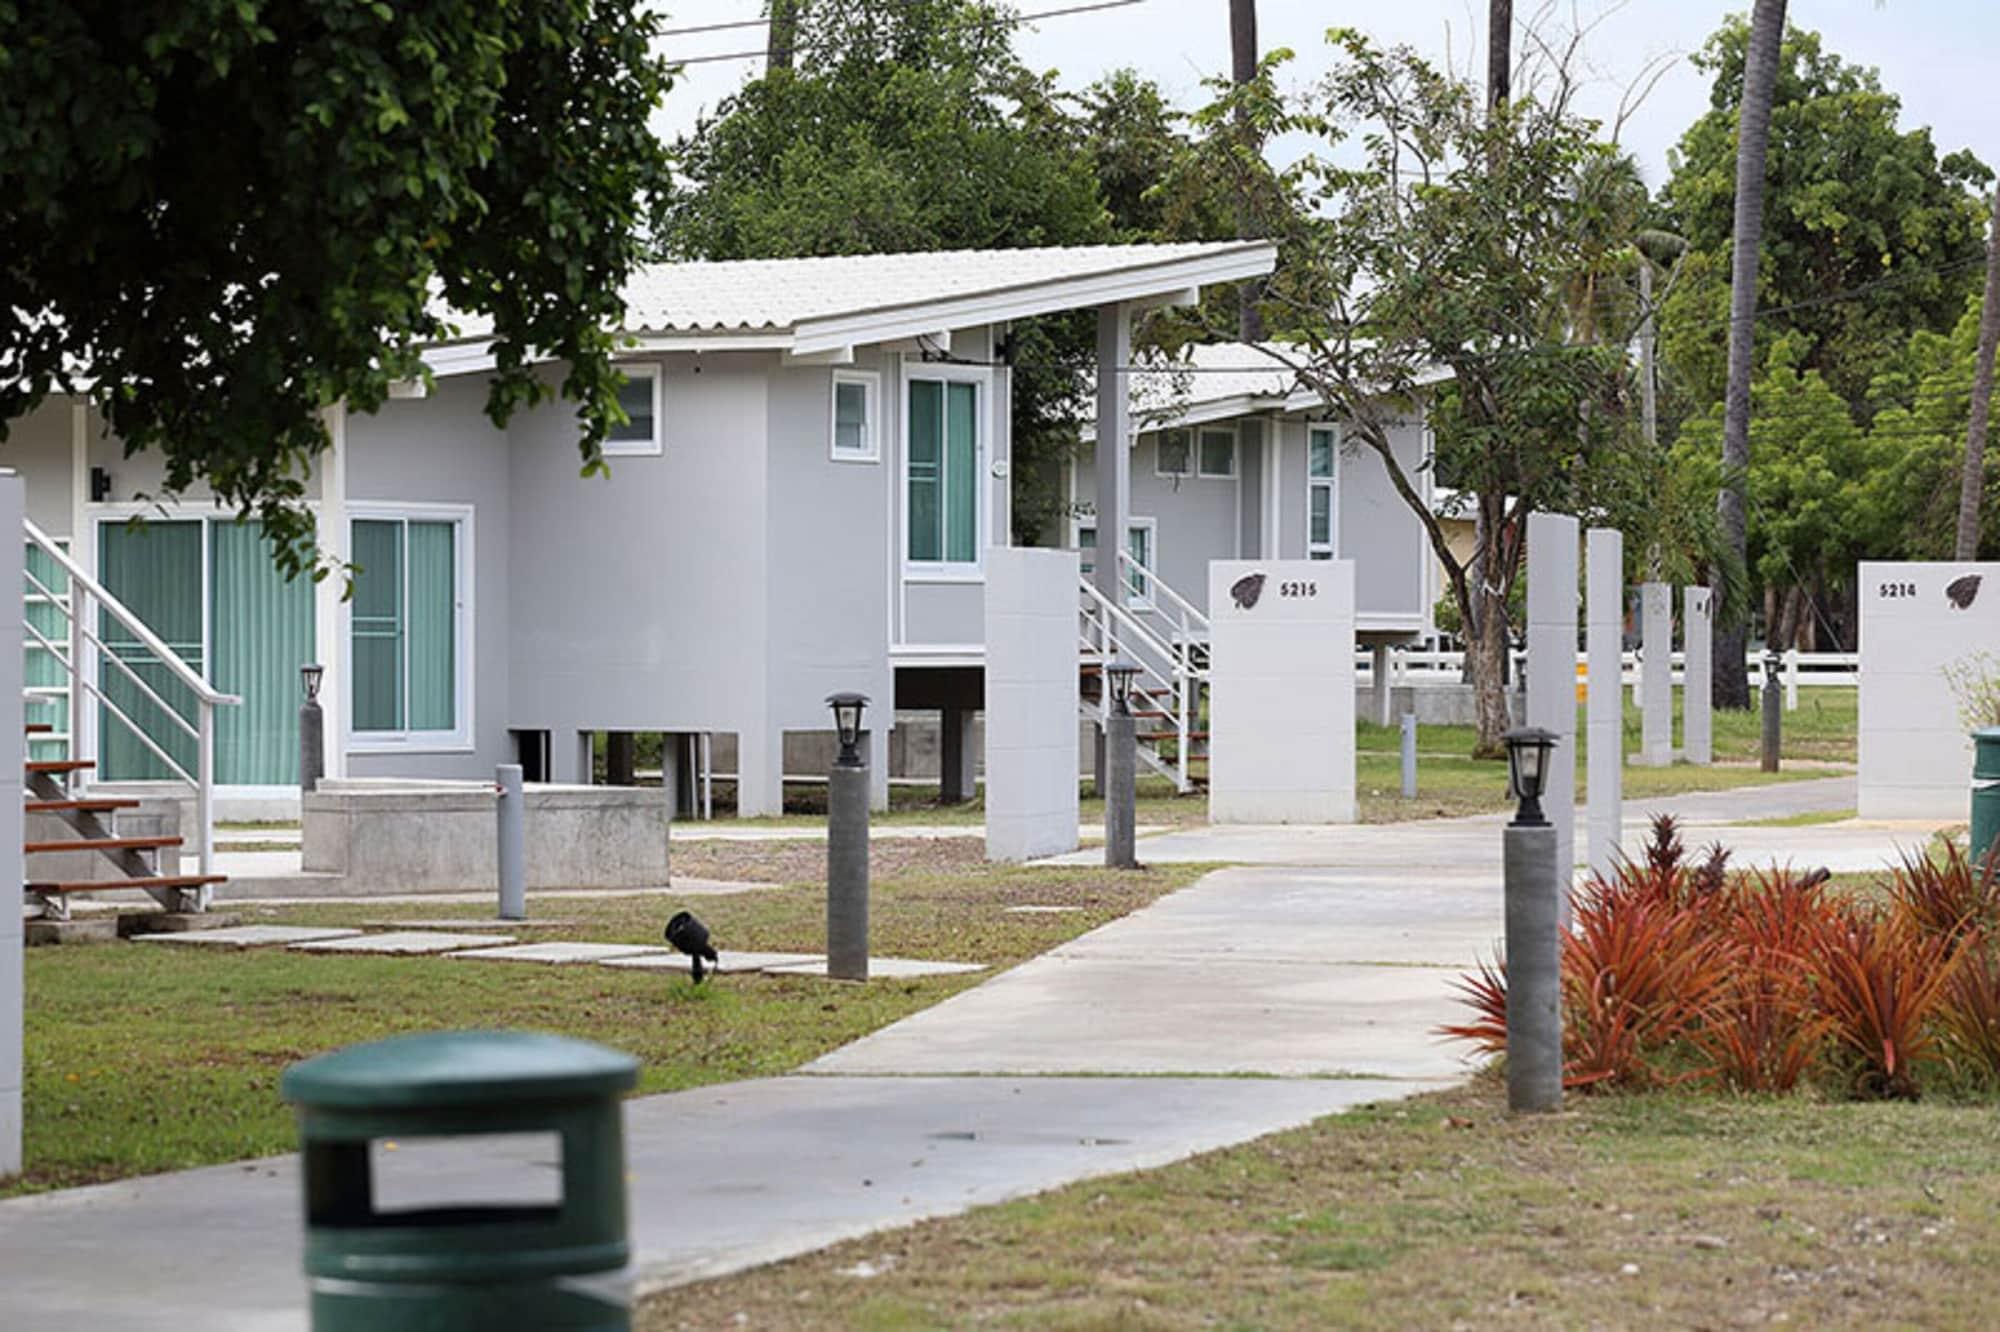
(1941, 56)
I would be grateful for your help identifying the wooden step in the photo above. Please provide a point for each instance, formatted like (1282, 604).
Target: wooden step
(104, 844)
(61, 765)
(40, 728)
(99, 806)
(1172, 735)
(113, 885)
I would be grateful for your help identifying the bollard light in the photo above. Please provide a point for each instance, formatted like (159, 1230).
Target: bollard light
(1528, 749)
(1774, 662)
(310, 676)
(688, 935)
(1120, 673)
(847, 710)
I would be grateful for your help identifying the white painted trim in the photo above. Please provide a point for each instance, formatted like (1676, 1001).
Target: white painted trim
(947, 571)
(1274, 464)
(459, 740)
(870, 383)
(643, 448)
(330, 595)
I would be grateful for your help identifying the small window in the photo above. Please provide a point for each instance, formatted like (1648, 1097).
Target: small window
(1218, 453)
(1139, 545)
(1320, 481)
(639, 397)
(855, 428)
(1172, 454)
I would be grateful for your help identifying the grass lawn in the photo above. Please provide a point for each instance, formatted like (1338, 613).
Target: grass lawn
(1624, 1211)
(143, 1057)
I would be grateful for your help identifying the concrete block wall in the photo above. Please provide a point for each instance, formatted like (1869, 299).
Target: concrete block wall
(1281, 692)
(1031, 702)
(1917, 621)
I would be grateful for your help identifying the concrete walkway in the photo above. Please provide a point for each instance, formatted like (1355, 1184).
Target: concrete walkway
(1328, 966)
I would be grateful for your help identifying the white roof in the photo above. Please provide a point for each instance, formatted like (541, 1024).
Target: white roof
(830, 305)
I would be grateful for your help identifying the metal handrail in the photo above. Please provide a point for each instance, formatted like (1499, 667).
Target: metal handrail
(84, 589)
(1109, 621)
(1192, 617)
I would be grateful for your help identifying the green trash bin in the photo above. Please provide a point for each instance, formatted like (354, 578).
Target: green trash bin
(387, 1248)
(1985, 790)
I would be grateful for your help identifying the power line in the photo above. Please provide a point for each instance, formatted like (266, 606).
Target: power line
(1008, 21)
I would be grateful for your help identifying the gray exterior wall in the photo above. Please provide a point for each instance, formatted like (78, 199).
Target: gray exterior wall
(443, 450)
(38, 447)
(1392, 556)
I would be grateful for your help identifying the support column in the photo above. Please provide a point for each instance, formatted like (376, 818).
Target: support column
(1604, 631)
(621, 758)
(1656, 674)
(569, 757)
(956, 779)
(1697, 716)
(1114, 446)
(13, 754)
(760, 774)
(877, 756)
(1378, 709)
(1551, 669)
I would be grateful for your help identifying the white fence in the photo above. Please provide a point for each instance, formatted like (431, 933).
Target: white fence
(1800, 669)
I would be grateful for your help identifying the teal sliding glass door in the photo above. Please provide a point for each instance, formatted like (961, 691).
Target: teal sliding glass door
(155, 569)
(261, 632)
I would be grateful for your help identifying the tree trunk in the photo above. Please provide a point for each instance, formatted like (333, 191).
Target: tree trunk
(1760, 75)
(1488, 658)
(781, 34)
(1499, 51)
(1242, 69)
(1972, 485)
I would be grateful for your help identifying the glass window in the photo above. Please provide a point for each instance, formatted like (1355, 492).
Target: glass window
(1218, 453)
(405, 625)
(1173, 450)
(1321, 464)
(639, 399)
(943, 479)
(1138, 544)
(1322, 516)
(850, 418)
(1320, 482)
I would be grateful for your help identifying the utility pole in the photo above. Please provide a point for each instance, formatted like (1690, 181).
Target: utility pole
(1243, 69)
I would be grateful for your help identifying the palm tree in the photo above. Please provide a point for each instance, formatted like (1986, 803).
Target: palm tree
(1753, 137)
(1972, 485)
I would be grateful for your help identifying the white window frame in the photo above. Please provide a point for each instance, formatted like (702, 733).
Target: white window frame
(947, 571)
(1134, 597)
(459, 739)
(1330, 548)
(870, 383)
(1159, 454)
(643, 448)
(1235, 444)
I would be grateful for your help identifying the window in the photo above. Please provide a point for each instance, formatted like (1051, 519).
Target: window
(943, 476)
(1171, 454)
(1218, 452)
(1321, 442)
(855, 431)
(1139, 545)
(407, 630)
(640, 397)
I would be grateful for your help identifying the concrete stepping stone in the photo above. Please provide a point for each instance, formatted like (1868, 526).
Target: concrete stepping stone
(556, 954)
(1032, 910)
(731, 962)
(248, 936)
(464, 923)
(404, 943)
(885, 968)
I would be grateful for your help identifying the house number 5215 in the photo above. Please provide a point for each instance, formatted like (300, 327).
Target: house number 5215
(1298, 589)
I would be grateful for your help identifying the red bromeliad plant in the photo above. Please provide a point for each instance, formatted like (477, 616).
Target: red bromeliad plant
(1763, 1033)
(1948, 900)
(1637, 976)
(1969, 1011)
(1486, 993)
(1879, 982)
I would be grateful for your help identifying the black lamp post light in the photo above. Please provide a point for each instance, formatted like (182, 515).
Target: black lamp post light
(310, 675)
(312, 728)
(1528, 749)
(1120, 673)
(847, 710)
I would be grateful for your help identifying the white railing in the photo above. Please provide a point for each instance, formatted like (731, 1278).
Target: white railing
(85, 648)
(1109, 630)
(1158, 596)
(1800, 669)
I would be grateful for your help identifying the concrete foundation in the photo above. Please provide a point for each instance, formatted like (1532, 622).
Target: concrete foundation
(393, 836)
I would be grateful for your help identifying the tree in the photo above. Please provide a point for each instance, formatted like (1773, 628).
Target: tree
(1972, 481)
(218, 217)
(1242, 70)
(1449, 246)
(1731, 681)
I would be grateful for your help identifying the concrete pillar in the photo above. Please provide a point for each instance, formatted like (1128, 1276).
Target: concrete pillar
(1791, 679)
(1697, 716)
(621, 758)
(760, 773)
(1535, 879)
(1604, 630)
(1378, 698)
(1114, 447)
(12, 756)
(1031, 702)
(847, 873)
(1122, 763)
(957, 778)
(1100, 773)
(1656, 674)
(1552, 578)
(569, 757)
(876, 755)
